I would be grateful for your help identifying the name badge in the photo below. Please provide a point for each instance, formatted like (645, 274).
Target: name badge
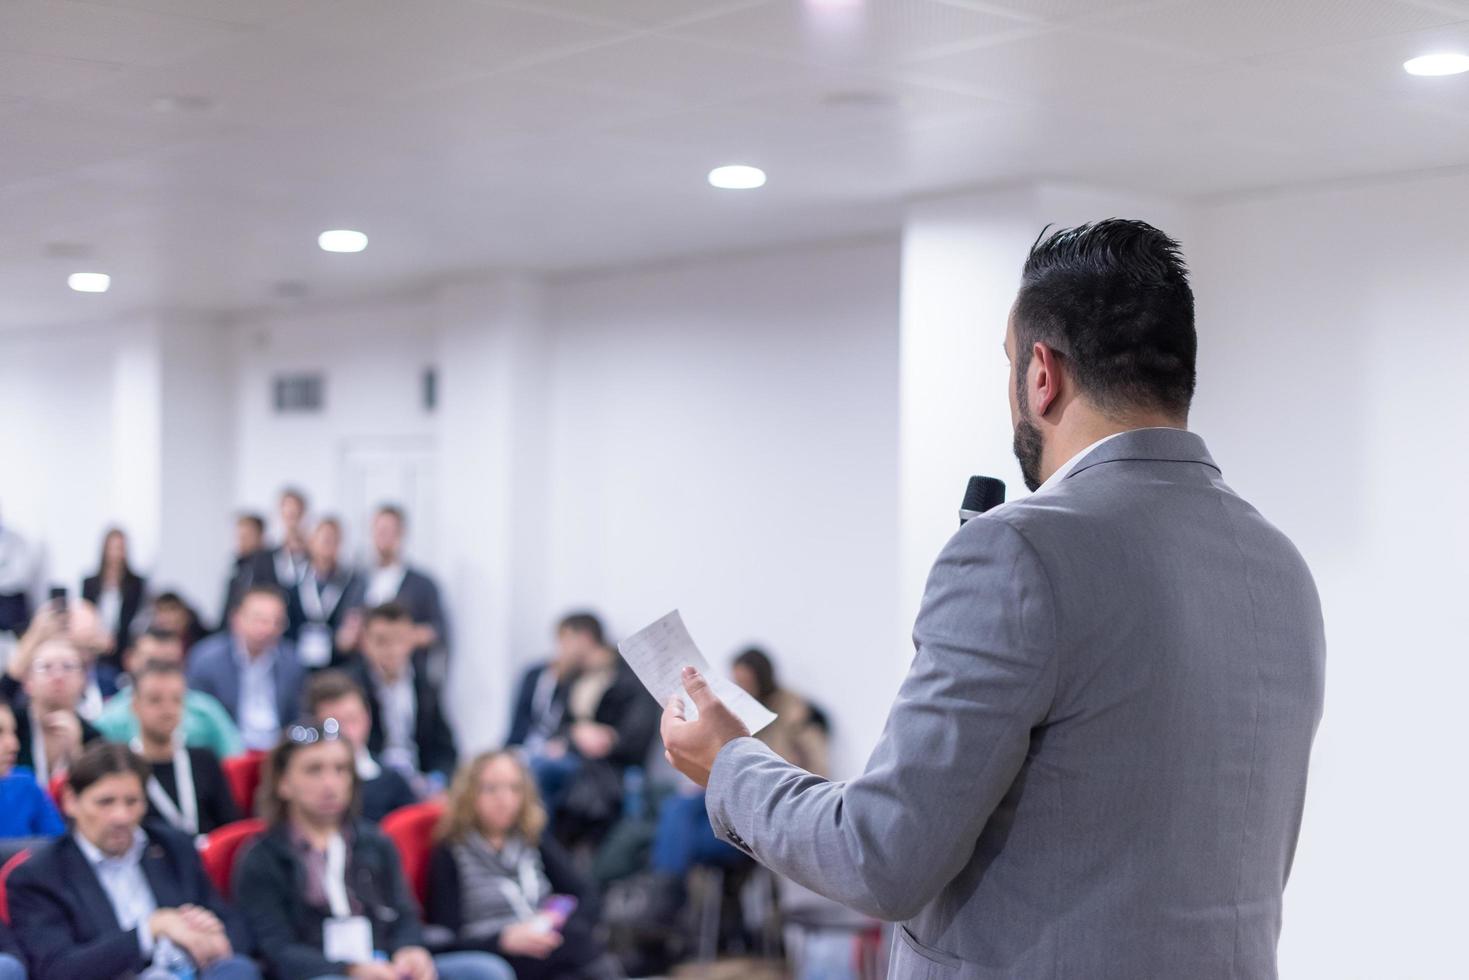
(347, 939)
(314, 647)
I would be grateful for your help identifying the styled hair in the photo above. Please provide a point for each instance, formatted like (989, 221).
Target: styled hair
(585, 623)
(266, 589)
(291, 493)
(1112, 298)
(459, 819)
(156, 668)
(102, 759)
(326, 686)
(268, 803)
(253, 519)
(758, 662)
(394, 511)
(388, 612)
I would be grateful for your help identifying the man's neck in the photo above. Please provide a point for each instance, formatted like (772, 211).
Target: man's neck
(156, 749)
(387, 561)
(1069, 440)
(389, 677)
(324, 569)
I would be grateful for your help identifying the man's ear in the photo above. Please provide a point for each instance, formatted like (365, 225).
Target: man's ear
(1045, 379)
(68, 801)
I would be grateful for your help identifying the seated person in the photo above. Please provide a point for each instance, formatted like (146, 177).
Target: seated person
(609, 724)
(206, 725)
(26, 809)
(172, 614)
(493, 870)
(77, 623)
(334, 694)
(540, 701)
(323, 891)
(409, 730)
(187, 790)
(251, 670)
(117, 897)
(51, 732)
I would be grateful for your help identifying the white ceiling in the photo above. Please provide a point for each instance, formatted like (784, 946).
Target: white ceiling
(566, 134)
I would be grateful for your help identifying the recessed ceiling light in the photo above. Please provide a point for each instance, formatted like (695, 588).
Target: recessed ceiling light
(1441, 63)
(737, 177)
(89, 282)
(342, 240)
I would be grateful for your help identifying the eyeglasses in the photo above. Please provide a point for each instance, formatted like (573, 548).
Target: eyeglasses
(328, 731)
(61, 669)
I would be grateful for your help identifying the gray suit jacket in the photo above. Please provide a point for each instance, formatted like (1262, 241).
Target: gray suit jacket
(214, 670)
(1095, 767)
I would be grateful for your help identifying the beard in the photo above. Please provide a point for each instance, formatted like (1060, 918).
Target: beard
(1028, 447)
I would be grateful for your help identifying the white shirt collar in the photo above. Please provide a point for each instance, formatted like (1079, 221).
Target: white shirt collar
(97, 859)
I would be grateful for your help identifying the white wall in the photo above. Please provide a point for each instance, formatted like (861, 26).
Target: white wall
(1333, 345)
(724, 441)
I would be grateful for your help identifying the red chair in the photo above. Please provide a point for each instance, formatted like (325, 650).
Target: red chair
(242, 772)
(222, 847)
(58, 782)
(16, 860)
(411, 829)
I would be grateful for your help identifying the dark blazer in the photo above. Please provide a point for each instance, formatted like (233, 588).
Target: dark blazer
(436, 750)
(242, 575)
(296, 614)
(212, 669)
(211, 790)
(65, 923)
(23, 732)
(632, 711)
(524, 718)
(133, 588)
(578, 947)
(270, 886)
(381, 796)
(418, 594)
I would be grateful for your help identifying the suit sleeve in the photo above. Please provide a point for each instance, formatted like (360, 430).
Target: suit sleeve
(44, 930)
(521, 719)
(983, 676)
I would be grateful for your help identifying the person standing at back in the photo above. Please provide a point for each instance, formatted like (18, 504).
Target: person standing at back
(1097, 762)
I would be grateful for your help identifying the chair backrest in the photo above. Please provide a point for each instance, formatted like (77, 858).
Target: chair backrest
(411, 829)
(242, 772)
(57, 784)
(222, 848)
(16, 860)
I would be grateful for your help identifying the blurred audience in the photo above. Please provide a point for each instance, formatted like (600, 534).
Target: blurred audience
(410, 732)
(286, 563)
(50, 730)
(540, 700)
(323, 890)
(335, 694)
(498, 883)
(249, 541)
(117, 897)
(19, 572)
(187, 790)
(317, 605)
(26, 809)
(252, 670)
(205, 724)
(172, 614)
(390, 579)
(799, 733)
(116, 590)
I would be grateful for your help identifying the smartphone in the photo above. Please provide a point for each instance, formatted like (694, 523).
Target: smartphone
(558, 909)
(58, 597)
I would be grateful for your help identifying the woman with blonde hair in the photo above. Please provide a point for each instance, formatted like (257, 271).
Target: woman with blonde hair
(500, 884)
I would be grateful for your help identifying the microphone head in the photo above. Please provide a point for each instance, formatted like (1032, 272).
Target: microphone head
(984, 493)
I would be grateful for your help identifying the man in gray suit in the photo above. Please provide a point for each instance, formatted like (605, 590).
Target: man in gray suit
(1096, 765)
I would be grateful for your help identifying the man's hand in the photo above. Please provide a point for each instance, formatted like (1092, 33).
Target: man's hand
(592, 740)
(415, 963)
(528, 939)
(692, 745)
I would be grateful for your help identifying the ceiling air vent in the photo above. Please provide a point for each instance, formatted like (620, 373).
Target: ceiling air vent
(298, 394)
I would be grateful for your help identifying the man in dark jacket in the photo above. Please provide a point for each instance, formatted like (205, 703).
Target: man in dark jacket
(114, 897)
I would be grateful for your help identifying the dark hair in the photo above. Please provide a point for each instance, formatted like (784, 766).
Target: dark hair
(268, 804)
(159, 635)
(172, 599)
(584, 623)
(327, 686)
(291, 493)
(266, 589)
(102, 759)
(329, 521)
(253, 519)
(127, 569)
(393, 511)
(757, 661)
(389, 612)
(156, 668)
(1113, 299)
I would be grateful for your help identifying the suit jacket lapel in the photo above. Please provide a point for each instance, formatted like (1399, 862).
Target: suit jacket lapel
(160, 875)
(83, 878)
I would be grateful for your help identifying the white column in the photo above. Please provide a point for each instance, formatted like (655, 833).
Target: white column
(493, 378)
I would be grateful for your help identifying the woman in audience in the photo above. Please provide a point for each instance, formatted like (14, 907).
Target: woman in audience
(188, 790)
(799, 732)
(117, 897)
(116, 590)
(498, 883)
(324, 891)
(26, 809)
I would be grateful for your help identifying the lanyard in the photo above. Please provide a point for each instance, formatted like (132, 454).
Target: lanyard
(38, 751)
(522, 899)
(183, 815)
(319, 605)
(335, 881)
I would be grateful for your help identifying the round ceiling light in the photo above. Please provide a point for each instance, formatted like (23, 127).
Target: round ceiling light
(737, 177)
(1442, 63)
(342, 240)
(89, 282)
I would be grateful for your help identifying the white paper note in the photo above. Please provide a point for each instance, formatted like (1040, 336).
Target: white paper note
(659, 652)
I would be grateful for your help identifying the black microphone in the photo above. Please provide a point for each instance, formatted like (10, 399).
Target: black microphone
(984, 493)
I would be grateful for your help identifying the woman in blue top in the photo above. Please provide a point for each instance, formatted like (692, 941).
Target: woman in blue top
(26, 809)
